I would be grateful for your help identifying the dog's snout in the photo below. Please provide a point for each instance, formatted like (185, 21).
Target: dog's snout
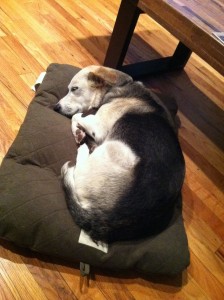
(57, 107)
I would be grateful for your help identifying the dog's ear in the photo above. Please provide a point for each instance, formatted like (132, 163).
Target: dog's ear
(117, 78)
(111, 77)
(96, 79)
(104, 78)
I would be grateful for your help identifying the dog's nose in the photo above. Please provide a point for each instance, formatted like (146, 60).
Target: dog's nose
(57, 107)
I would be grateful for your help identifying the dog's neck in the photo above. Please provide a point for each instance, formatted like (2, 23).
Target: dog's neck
(136, 89)
(99, 95)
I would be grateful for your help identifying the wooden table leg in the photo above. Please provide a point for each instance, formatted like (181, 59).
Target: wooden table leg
(120, 39)
(160, 65)
(180, 57)
(123, 30)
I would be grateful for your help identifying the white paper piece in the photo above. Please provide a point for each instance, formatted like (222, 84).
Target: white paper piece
(85, 239)
(39, 80)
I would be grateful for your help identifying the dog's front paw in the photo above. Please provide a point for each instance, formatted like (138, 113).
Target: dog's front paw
(77, 130)
(79, 135)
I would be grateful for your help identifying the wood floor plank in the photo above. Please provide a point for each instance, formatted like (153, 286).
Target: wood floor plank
(203, 187)
(12, 113)
(2, 33)
(203, 166)
(82, 288)
(193, 290)
(10, 55)
(196, 206)
(29, 79)
(24, 55)
(55, 287)
(23, 15)
(11, 106)
(113, 289)
(12, 81)
(220, 252)
(8, 281)
(202, 144)
(212, 83)
(77, 28)
(201, 230)
(22, 34)
(143, 289)
(106, 16)
(18, 277)
(5, 292)
(214, 265)
(198, 270)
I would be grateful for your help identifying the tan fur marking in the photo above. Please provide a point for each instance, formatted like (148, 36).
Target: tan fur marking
(109, 76)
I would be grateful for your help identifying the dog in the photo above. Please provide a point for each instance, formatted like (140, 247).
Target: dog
(127, 187)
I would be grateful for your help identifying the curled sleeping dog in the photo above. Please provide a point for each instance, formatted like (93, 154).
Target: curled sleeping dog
(128, 186)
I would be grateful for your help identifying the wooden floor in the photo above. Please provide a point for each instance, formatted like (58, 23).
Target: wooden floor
(35, 33)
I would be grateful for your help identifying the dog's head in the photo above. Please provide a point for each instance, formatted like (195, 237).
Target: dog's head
(88, 87)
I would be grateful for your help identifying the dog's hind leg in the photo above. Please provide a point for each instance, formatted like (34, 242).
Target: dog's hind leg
(82, 155)
(68, 172)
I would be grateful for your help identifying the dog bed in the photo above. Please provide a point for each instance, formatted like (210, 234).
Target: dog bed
(33, 210)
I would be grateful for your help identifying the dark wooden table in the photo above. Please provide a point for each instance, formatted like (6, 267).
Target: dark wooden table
(190, 21)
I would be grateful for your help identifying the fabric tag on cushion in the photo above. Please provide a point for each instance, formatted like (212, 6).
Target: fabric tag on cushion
(38, 81)
(85, 239)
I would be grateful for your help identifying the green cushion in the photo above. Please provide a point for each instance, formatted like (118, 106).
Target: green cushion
(33, 210)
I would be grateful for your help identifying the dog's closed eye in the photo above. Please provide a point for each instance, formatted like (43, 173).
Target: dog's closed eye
(74, 88)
